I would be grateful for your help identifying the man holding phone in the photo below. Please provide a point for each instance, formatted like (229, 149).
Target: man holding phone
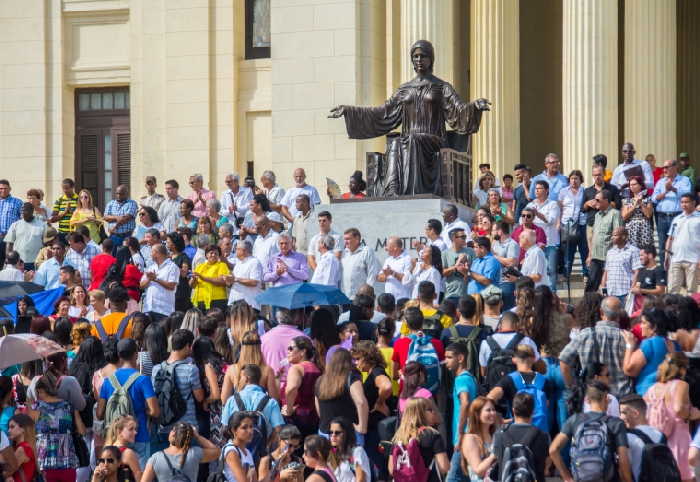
(455, 262)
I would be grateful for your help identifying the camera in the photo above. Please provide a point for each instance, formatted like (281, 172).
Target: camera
(511, 271)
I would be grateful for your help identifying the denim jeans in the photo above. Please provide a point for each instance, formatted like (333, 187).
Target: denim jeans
(663, 224)
(508, 289)
(143, 449)
(552, 254)
(582, 246)
(455, 474)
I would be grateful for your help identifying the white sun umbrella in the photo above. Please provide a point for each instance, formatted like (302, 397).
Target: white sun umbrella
(24, 347)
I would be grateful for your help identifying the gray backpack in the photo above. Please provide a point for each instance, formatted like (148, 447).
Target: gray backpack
(591, 457)
(119, 403)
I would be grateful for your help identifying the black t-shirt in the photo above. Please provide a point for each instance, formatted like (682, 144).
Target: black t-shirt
(370, 387)
(651, 278)
(536, 439)
(463, 330)
(590, 192)
(338, 406)
(431, 443)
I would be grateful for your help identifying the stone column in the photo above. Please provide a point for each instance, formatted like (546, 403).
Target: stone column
(650, 77)
(495, 75)
(589, 90)
(433, 21)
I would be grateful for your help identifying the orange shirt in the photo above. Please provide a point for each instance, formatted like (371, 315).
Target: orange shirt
(110, 323)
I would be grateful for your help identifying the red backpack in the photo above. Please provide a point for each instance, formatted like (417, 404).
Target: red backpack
(409, 465)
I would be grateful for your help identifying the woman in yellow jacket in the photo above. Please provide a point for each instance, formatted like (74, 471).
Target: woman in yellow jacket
(208, 281)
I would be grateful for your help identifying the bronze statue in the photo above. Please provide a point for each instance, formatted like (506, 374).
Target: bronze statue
(421, 106)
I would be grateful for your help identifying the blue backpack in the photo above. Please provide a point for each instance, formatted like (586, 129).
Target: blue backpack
(536, 390)
(421, 350)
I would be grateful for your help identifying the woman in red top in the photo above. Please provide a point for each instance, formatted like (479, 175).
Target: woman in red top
(356, 186)
(22, 435)
(657, 172)
(131, 275)
(297, 388)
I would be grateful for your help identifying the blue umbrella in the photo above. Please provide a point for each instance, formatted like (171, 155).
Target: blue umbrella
(300, 295)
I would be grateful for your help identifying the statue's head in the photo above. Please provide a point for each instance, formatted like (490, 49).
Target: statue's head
(423, 57)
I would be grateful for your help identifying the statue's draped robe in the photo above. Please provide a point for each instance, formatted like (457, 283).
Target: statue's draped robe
(421, 107)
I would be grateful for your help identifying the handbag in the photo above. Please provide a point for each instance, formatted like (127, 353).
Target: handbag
(569, 232)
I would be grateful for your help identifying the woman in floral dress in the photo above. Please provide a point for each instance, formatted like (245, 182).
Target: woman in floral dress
(637, 212)
(55, 452)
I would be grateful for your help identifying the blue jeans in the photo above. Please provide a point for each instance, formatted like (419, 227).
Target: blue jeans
(623, 299)
(552, 254)
(508, 289)
(582, 246)
(663, 224)
(143, 449)
(455, 474)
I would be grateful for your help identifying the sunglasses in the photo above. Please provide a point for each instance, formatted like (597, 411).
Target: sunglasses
(464, 236)
(336, 432)
(105, 461)
(526, 216)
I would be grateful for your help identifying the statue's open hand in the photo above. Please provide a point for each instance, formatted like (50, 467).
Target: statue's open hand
(482, 104)
(338, 111)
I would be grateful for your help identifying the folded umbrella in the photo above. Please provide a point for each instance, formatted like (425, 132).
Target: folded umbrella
(24, 347)
(301, 295)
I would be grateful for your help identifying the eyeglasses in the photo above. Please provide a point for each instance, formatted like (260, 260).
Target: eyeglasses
(463, 236)
(105, 461)
(526, 216)
(336, 432)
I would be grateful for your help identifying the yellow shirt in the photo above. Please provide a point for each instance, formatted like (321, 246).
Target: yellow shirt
(204, 292)
(445, 320)
(93, 226)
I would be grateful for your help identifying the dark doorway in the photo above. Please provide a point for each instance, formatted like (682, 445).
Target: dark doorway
(102, 141)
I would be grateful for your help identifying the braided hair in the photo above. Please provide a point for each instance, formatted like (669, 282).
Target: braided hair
(183, 438)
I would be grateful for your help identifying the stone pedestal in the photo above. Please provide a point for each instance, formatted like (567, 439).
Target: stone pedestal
(379, 219)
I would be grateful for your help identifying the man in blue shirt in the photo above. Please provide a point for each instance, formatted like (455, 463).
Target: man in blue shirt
(143, 398)
(120, 213)
(10, 211)
(551, 174)
(464, 391)
(49, 273)
(667, 198)
(251, 396)
(485, 269)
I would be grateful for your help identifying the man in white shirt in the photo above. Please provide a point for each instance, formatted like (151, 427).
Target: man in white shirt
(26, 236)
(288, 202)
(246, 279)
(159, 283)
(507, 252)
(324, 225)
(234, 201)
(270, 188)
(396, 272)
(683, 248)
(169, 210)
(265, 247)
(633, 411)
(547, 214)
(449, 215)
(327, 270)
(534, 264)
(433, 231)
(152, 198)
(302, 224)
(14, 267)
(359, 265)
(151, 238)
(620, 180)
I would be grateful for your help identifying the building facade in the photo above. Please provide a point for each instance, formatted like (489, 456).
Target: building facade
(109, 91)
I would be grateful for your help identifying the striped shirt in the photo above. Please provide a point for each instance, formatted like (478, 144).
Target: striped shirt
(65, 206)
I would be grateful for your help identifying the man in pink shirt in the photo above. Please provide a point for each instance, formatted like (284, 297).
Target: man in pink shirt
(275, 342)
(200, 195)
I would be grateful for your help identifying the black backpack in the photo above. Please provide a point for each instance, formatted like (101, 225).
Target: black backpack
(658, 462)
(172, 406)
(518, 463)
(471, 343)
(500, 361)
(432, 326)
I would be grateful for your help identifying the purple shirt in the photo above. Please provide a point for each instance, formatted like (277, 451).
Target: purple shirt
(297, 269)
(275, 343)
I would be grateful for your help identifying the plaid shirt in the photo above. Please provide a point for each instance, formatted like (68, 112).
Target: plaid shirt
(620, 264)
(10, 211)
(611, 352)
(81, 262)
(116, 208)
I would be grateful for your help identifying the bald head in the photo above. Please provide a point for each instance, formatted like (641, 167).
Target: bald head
(394, 246)
(299, 177)
(619, 236)
(610, 308)
(527, 238)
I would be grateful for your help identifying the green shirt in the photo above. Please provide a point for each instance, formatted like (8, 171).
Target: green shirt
(689, 172)
(456, 283)
(603, 226)
(60, 206)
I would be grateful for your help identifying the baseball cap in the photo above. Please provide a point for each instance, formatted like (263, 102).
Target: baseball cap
(683, 154)
(275, 217)
(492, 295)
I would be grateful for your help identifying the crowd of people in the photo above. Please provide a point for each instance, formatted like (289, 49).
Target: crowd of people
(466, 365)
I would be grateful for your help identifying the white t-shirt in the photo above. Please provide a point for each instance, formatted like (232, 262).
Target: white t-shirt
(290, 198)
(636, 446)
(613, 406)
(344, 472)
(503, 339)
